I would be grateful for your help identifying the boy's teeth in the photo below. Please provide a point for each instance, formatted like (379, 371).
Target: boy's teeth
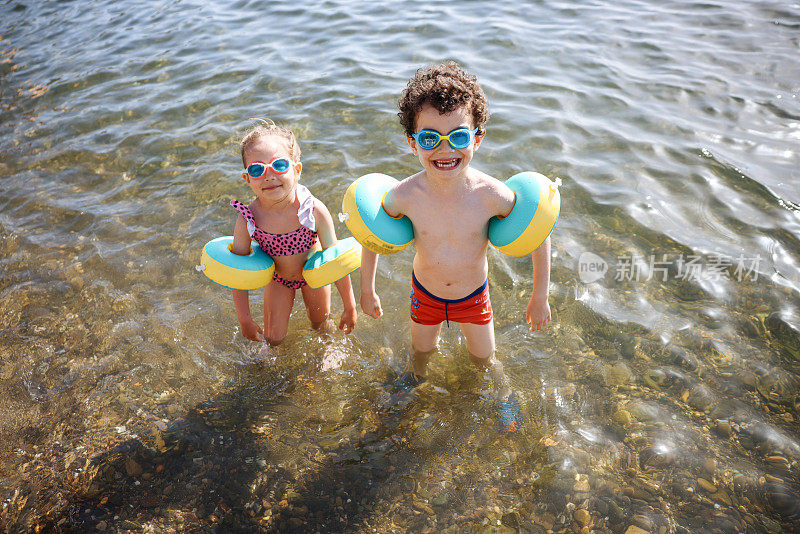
(446, 163)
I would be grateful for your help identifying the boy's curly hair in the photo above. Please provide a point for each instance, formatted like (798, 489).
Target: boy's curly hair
(446, 87)
(266, 128)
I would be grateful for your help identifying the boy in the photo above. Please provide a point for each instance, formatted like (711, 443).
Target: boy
(450, 204)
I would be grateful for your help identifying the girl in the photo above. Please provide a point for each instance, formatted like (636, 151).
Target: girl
(289, 224)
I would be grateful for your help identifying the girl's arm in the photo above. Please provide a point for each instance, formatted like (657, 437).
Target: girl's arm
(327, 238)
(241, 300)
(349, 315)
(538, 312)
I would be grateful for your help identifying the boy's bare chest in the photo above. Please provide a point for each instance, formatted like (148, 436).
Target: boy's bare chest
(449, 218)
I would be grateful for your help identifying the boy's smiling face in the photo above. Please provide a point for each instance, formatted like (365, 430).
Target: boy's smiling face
(444, 161)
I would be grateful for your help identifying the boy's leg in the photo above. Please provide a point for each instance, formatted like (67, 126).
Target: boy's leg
(480, 344)
(480, 341)
(318, 305)
(423, 342)
(278, 301)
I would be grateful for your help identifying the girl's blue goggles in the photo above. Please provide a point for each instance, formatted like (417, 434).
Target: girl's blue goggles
(257, 169)
(458, 138)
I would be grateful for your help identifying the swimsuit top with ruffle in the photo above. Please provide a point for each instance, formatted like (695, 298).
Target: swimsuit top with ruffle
(295, 242)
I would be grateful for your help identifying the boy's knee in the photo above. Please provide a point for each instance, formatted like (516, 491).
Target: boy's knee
(424, 350)
(481, 361)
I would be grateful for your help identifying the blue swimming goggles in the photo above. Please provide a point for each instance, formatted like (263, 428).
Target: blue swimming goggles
(257, 169)
(458, 138)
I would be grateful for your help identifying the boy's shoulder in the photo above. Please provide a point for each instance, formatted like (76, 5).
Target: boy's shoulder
(497, 196)
(477, 182)
(409, 186)
(481, 179)
(475, 178)
(486, 189)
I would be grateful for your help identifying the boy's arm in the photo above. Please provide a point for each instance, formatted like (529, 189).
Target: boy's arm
(538, 311)
(241, 299)
(370, 302)
(327, 238)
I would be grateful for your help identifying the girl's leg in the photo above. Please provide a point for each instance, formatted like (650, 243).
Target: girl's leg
(278, 301)
(318, 305)
(423, 342)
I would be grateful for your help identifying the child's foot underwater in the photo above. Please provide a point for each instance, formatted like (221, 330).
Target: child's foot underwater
(406, 382)
(509, 413)
(401, 390)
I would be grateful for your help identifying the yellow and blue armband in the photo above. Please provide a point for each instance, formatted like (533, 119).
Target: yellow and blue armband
(366, 219)
(327, 266)
(533, 217)
(236, 271)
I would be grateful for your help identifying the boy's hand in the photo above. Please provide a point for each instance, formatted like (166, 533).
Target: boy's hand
(251, 330)
(538, 313)
(348, 320)
(371, 304)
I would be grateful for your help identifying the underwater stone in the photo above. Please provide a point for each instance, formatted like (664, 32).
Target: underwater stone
(642, 521)
(723, 428)
(582, 517)
(581, 486)
(710, 465)
(700, 398)
(683, 358)
(706, 485)
(617, 374)
(623, 417)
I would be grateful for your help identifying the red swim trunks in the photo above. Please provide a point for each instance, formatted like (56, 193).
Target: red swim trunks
(428, 309)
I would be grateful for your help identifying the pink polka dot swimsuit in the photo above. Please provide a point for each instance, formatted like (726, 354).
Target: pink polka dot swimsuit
(290, 243)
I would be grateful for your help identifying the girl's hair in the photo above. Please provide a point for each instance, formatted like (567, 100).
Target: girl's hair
(446, 87)
(267, 128)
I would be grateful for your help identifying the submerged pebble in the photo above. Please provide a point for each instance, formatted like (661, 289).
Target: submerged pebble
(582, 517)
(706, 485)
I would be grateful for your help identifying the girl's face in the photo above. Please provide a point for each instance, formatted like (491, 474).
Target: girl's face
(272, 188)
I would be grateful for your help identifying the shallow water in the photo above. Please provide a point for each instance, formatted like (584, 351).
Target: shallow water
(663, 395)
